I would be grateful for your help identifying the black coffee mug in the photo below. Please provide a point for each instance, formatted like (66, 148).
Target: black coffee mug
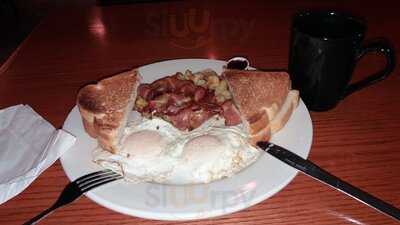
(325, 47)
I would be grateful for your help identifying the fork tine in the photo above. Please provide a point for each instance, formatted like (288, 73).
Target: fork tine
(94, 177)
(90, 175)
(97, 179)
(89, 186)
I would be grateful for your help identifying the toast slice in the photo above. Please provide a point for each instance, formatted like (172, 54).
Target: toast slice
(264, 99)
(105, 107)
(290, 104)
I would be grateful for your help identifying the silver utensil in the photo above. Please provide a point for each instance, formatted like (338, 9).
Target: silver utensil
(310, 169)
(75, 189)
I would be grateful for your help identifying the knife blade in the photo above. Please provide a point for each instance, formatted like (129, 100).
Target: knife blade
(314, 171)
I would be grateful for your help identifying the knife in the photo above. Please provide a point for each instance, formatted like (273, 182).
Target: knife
(312, 170)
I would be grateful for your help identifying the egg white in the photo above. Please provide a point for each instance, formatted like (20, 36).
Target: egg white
(153, 150)
(143, 154)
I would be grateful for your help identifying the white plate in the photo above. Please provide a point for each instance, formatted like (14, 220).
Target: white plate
(254, 184)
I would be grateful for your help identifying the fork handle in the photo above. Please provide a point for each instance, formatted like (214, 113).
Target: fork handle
(42, 215)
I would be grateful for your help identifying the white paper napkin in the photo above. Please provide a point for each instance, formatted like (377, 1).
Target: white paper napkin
(28, 145)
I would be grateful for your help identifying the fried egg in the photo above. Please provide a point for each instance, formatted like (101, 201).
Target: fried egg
(153, 150)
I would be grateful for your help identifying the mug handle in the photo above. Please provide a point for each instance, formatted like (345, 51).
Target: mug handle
(381, 47)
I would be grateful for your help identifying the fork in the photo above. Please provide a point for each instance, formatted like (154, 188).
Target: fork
(75, 189)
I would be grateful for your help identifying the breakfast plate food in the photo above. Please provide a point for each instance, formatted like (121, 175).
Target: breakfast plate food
(192, 133)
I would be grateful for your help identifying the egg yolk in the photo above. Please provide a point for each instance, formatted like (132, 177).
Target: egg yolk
(203, 148)
(144, 144)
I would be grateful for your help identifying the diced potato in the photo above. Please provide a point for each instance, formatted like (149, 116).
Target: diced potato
(222, 87)
(197, 76)
(217, 92)
(188, 75)
(227, 94)
(200, 82)
(212, 82)
(220, 98)
(209, 72)
(198, 79)
(180, 76)
(140, 103)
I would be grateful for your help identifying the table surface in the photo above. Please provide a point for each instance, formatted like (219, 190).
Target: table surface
(357, 141)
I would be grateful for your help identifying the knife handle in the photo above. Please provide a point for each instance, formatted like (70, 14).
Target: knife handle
(311, 169)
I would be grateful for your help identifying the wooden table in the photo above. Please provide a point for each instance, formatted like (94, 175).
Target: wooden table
(358, 141)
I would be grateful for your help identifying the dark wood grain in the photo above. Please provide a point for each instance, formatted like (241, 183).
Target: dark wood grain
(358, 140)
